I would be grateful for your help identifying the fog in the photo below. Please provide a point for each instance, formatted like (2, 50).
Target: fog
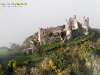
(17, 23)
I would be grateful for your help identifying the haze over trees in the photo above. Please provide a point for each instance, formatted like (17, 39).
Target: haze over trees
(79, 56)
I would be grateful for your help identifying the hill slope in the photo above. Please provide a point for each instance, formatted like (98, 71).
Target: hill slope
(81, 56)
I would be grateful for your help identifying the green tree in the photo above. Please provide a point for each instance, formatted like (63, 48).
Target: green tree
(14, 46)
(11, 66)
(1, 71)
(98, 43)
(75, 70)
(59, 59)
(85, 51)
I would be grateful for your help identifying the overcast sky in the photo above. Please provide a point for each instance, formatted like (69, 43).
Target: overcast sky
(17, 23)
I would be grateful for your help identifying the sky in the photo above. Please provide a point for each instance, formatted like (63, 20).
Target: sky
(17, 23)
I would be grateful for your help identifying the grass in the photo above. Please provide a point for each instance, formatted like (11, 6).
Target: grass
(11, 55)
(78, 40)
(44, 48)
(6, 56)
(22, 58)
(48, 47)
(4, 52)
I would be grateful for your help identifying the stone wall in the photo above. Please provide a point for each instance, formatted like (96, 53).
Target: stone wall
(85, 25)
(49, 35)
(28, 51)
(64, 32)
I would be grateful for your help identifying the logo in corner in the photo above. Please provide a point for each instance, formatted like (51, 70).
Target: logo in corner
(13, 4)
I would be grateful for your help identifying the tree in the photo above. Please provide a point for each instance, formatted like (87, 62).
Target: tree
(14, 46)
(85, 51)
(1, 71)
(98, 43)
(59, 59)
(26, 43)
(11, 66)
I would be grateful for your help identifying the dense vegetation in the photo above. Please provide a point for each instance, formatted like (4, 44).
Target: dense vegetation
(80, 56)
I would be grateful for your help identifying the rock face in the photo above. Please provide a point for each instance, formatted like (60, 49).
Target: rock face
(65, 32)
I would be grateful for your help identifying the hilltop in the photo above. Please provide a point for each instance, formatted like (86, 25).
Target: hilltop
(66, 32)
(68, 53)
(78, 56)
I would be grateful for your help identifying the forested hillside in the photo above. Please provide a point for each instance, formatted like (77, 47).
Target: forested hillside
(80, 56)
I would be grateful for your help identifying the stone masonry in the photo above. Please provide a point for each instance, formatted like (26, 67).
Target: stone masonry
(66, 32)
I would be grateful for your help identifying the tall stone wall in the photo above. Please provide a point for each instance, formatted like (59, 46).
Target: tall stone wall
(71, 27)
(85, 26)
(49, 35)
(65, 32)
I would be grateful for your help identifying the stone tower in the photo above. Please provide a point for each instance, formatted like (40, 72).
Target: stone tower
(39, 35)
(68, 29)
(71, 29)
(85, 26)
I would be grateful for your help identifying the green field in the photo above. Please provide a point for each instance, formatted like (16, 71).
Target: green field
(21, 59)
(3, 52)
(6, 56)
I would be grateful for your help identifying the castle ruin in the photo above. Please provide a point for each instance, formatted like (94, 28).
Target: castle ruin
(66, 32)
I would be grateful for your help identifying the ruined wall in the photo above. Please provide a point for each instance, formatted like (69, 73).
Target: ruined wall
(30, 50)
(71, 28)
(49, 35)
(65, 32)
(85, 26)
(74, 23)
(68, 29)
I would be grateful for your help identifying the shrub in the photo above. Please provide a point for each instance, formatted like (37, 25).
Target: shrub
(85, 52)
(59, 59)
(75, 70)
(98, 43)
(11, 66)
(1, 71)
